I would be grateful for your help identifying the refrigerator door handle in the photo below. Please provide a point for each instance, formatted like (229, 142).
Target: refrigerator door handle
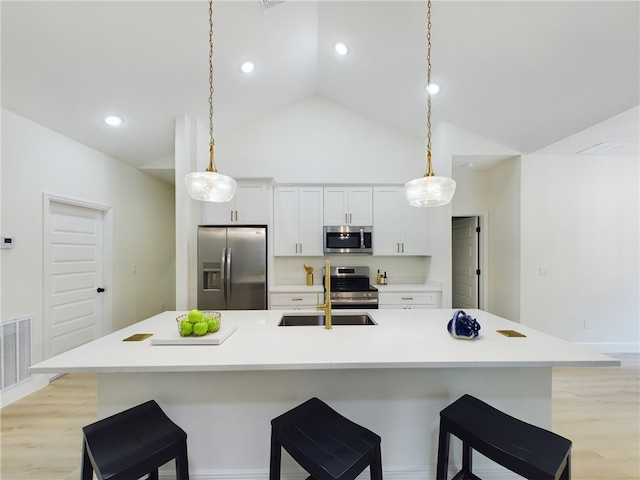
(228, 274)
(223, 273)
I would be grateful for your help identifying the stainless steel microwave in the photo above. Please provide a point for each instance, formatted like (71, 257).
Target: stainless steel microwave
(348, 239)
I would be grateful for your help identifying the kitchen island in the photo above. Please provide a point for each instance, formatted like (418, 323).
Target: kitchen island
(393, 377)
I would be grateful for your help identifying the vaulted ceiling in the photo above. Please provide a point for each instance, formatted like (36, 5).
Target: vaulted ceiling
(525, 74)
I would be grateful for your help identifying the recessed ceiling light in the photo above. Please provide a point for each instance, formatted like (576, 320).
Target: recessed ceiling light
(432, 88)
(247, 67)
(341, 48)
(113, 120)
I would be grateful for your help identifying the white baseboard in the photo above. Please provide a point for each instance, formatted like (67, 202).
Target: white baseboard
(615, 347)
(21, 390)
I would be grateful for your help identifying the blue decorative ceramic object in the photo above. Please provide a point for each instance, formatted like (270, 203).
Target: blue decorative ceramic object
(463, 326)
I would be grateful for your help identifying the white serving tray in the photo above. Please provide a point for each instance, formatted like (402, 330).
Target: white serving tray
(211, 339)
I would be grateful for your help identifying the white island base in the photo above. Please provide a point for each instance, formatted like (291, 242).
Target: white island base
(393, 378)
(227, 414)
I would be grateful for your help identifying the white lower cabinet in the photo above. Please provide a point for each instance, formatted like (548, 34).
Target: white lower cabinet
(409, 300)
(294, 301)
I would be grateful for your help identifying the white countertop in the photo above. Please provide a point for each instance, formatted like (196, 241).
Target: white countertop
(392, 287)
(296, 289)
(402, 339)
(413, 288)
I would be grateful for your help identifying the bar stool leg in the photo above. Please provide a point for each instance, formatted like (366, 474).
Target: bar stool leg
(182, 464)
(275, 461)
(566, 473)
(467, 463)
(443, 454)
(87, 468)
(375, 468)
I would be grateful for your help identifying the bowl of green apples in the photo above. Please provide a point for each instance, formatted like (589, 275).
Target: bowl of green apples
(198, 323)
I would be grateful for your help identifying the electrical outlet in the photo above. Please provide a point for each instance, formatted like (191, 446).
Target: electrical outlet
(543, 271)
(134, 269)
(587, 323)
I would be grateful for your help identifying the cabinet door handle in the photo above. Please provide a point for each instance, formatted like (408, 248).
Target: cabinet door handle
(407, 298)
(296, 299)
(236, 215)
(402, 247)
(350, 219)
(300, 248)
(398, 247)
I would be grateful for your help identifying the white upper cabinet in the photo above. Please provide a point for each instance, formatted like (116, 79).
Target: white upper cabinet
(297, 221)
(249, 206)
(348, 206)
(398, 229)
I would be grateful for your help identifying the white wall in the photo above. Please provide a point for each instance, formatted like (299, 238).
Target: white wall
(318, 141)
(580, 220)
(36, 160)
(504, 239)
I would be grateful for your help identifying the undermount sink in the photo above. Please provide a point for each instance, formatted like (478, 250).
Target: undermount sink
(318, 320)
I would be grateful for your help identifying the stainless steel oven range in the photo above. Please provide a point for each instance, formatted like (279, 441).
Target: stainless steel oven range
(350, 288)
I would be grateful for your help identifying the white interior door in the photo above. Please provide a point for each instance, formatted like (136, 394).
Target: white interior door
(73, 276)
(465, 268)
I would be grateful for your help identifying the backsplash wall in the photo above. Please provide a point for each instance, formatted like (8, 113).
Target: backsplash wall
(400, 270)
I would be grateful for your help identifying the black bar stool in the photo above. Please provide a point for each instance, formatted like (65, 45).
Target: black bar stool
(133, 443)
(525, 449)
(323, 442)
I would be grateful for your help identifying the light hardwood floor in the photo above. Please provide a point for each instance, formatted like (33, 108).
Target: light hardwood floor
(597, 408)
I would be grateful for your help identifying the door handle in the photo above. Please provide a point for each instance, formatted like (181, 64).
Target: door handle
(228, 267)
(100, 290)
(223, 273)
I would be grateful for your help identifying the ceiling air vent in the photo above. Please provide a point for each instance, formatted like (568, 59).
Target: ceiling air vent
(600, 148)
(270, 3)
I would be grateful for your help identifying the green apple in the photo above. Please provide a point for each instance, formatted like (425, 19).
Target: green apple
(213, 325)
(195, 316)
(200, 328)
(186, 328)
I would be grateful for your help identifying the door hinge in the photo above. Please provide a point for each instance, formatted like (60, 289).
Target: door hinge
(477, 229)
(478, 271)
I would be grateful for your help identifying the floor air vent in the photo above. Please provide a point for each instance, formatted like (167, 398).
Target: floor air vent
(270, 3)
(16, 350)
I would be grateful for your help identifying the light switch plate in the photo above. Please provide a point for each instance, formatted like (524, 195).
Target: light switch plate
(6, 242)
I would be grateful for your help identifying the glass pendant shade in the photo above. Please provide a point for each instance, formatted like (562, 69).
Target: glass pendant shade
(210, 186)
(429, 191)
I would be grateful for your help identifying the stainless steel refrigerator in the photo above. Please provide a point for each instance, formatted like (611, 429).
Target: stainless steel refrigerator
(232, 268)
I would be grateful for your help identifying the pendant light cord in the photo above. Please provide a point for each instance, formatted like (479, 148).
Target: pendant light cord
(429, 172)
(212, 166)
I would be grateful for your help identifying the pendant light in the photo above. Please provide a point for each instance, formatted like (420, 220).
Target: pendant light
(429, 190)
(210, 186)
